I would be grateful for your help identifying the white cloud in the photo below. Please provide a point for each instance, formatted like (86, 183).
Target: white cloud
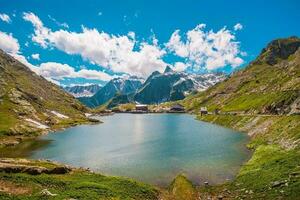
(179, 66)
(50, 70)
(206, 49)
(110, 51)
(35, 56)
(40, 32)
(4, 17)
(8, 43)
(238, 26)
(58, 71)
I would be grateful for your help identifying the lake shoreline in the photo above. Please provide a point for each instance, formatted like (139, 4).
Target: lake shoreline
(165, 184)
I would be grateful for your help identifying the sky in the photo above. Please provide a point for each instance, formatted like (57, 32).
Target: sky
(92, 41)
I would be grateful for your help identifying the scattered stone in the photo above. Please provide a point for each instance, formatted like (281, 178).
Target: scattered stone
(220, 197)
(206, 183)
(46, 192)
(277, 183)
(61, 170)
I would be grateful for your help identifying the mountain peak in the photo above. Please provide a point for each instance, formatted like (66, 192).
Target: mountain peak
(279, 49)
(168, 69)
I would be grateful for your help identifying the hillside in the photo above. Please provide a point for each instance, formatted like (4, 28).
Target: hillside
(30, 104)
(262, 100)
(269, 85)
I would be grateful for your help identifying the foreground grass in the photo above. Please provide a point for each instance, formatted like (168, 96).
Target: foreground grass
(77, 185)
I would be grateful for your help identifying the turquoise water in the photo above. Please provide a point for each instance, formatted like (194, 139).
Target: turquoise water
(153, 148)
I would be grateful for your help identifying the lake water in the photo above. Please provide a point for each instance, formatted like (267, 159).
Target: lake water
(153, 148)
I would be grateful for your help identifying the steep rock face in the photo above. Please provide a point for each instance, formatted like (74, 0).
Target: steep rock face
(115, 86)
(83, 90)
(171, 85)
(29, 103)
(269, 85)
(278, 49)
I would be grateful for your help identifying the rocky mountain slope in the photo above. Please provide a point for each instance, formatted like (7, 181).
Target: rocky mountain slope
(171, 86)
(122, 85)
(269, 85)
(83, 90)
(158, 88)
(29, 104)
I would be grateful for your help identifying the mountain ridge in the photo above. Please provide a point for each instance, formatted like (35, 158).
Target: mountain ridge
(83, 90)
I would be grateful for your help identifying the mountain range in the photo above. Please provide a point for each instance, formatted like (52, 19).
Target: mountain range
(158, 87)
(116, 86)
(82, 90)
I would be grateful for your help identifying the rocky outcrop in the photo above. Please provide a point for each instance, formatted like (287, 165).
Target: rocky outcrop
(24, 166)
(279, 49)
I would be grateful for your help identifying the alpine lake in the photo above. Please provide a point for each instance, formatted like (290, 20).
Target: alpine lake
(152, 148)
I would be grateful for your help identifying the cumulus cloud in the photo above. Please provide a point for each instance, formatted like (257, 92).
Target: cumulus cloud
(114, 52)
(4, 17)
(50, 70)
(8, 43)
(35, 56)
(238, 26)
(206, 49)
(180, 66)
(57, 71)
(40, 32)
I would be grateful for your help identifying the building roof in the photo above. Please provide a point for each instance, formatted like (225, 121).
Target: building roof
(141, 105)
(203, 109)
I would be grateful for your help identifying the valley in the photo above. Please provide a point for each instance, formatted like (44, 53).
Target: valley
(261, 100)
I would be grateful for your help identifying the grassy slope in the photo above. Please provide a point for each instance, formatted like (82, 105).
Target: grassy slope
(23, 94)
(259, 88)
(273, 172)
(78, 184)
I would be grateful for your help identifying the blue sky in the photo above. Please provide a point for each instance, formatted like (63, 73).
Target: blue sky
(78, 42)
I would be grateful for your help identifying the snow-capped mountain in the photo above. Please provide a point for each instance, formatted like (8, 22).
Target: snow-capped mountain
(158, 88)
(121, 85)
(171, 85)
(83, 90)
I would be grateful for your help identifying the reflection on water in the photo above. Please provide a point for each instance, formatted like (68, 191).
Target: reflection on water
(150, 147)
(24, 149)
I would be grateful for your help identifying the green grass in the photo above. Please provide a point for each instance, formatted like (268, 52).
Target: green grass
(79, 185)
(269, 164)
(181, 188)
(7, 118)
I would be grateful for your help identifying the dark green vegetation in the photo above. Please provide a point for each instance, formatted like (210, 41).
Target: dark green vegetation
(77, 184)
(262, 100)
(29, 104)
